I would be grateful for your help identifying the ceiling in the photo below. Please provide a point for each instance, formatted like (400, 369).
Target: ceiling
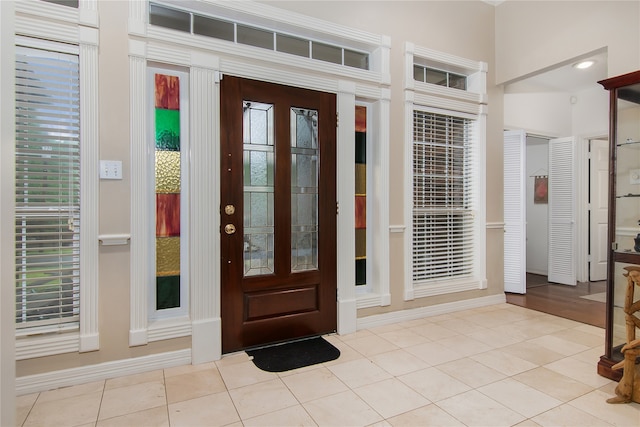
(564, 78)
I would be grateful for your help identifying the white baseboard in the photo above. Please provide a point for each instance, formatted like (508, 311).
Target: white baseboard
(434, 310)
(101, 371)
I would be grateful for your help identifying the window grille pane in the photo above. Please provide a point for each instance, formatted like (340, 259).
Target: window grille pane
(418, 73)
(292, 45)
(213, 28)
(442, 197)
(68, 3)
(457, 81)
(169, 18)
(436, 77)
(255, 37)
(47, 159)
(325, 52)
(356, 59)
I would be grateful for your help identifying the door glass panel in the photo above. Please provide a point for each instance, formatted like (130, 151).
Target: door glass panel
(304, 189)
(258, 176)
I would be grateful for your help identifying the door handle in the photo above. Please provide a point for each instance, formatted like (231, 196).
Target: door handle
(229, 209)
(229, 228)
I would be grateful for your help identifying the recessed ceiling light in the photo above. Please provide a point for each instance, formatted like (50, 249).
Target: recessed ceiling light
(584, 64)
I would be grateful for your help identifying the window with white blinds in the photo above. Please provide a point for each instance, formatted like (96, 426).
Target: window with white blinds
(443, 189)
(47, 216)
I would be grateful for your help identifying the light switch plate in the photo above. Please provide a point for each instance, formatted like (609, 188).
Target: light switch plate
(110, 169)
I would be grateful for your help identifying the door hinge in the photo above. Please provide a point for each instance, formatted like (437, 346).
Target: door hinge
(337, 119)
(614, 246)
(337, 208)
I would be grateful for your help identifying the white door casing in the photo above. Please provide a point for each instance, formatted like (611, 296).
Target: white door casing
(598, 220)
(514, 212)
(562, 211)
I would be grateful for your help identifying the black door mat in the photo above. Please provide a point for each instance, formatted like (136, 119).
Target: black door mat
(294, 354)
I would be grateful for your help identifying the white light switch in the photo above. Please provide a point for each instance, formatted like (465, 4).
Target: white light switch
(110, 169)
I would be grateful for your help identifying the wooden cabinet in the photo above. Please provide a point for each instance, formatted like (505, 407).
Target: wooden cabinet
(624, 209)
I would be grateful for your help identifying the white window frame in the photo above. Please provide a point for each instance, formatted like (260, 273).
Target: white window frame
(183, 310)
(59, 28)
(207, 60)
(469, 104)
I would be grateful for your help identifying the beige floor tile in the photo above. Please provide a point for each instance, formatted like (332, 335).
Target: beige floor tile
(187, 369)
(520, 397)
(590, 356)
(342, 409)
(66, 392)
(494, 339)
(70, 411)
(314, 384)
(212, 410)
(578, 337)
(347, 353)
(434, 384)
(399, 362)
(233, 358)
(568, 416)
(559, 345)
(595, 403)
(356, 335)
(433, 331)
(433, 353)
(379, 330)
(470, 372)
(293, 416)
(461, 326)
(391, 397)
(409, 324)
(24, 404)
(553, 383)
(578, 370)
(591, 330)
(404, 338)
(371, 345)
(527, 423)
(463, 345)
(533, 353)
(430, 415)
(244, 373)
(145, 377)
(503, 362)
(130, 399)
(156, 417)
(475, 409)
(262, 398)
(359, 372)
(194, 384)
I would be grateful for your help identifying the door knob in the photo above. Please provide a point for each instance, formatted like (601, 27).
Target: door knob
(229, 209)
(229, 228)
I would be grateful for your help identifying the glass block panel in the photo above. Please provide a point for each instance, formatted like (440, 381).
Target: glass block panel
(211, 27)
(436, 77)
(457, 81)
(325, 52)
(167, 292)
(418, 73)
(167, 171)
(292, 45)
(255, 37)
(258, 180)
(356, 59)
(169, 18)
(304, 189)
(167, 256)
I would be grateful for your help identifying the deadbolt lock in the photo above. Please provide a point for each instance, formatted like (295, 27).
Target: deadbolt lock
(229, 228)
(229, 209)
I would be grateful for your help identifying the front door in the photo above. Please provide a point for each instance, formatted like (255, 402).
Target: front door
(278, 213)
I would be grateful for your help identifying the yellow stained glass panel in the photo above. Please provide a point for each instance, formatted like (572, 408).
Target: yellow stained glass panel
(167, 256)
(167, 171)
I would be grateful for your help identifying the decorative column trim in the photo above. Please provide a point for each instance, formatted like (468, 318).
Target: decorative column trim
(140, 207)
(382, 197)
(204, 219)
(347, 311)
(89, 191)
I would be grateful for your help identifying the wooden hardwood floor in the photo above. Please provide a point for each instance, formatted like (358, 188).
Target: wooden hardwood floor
(561, 300)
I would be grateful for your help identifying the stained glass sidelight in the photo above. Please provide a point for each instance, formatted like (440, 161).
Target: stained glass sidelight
(258, 180)
(361, 195)
(168, 180)
(304, 189)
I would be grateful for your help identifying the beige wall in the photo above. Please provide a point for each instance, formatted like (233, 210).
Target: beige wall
(534, 35)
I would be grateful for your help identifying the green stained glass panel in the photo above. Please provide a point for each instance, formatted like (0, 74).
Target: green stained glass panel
(167, 129)
(167, 292)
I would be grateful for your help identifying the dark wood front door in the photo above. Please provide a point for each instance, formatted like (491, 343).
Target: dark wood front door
(278, 213)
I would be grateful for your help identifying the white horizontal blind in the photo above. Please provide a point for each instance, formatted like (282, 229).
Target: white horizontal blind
(443, 237)
(47, 214)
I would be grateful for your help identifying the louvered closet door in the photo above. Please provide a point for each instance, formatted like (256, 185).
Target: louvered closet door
(514, 212)
(562, 211)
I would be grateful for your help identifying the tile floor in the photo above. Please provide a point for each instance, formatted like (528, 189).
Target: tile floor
(501, 365)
